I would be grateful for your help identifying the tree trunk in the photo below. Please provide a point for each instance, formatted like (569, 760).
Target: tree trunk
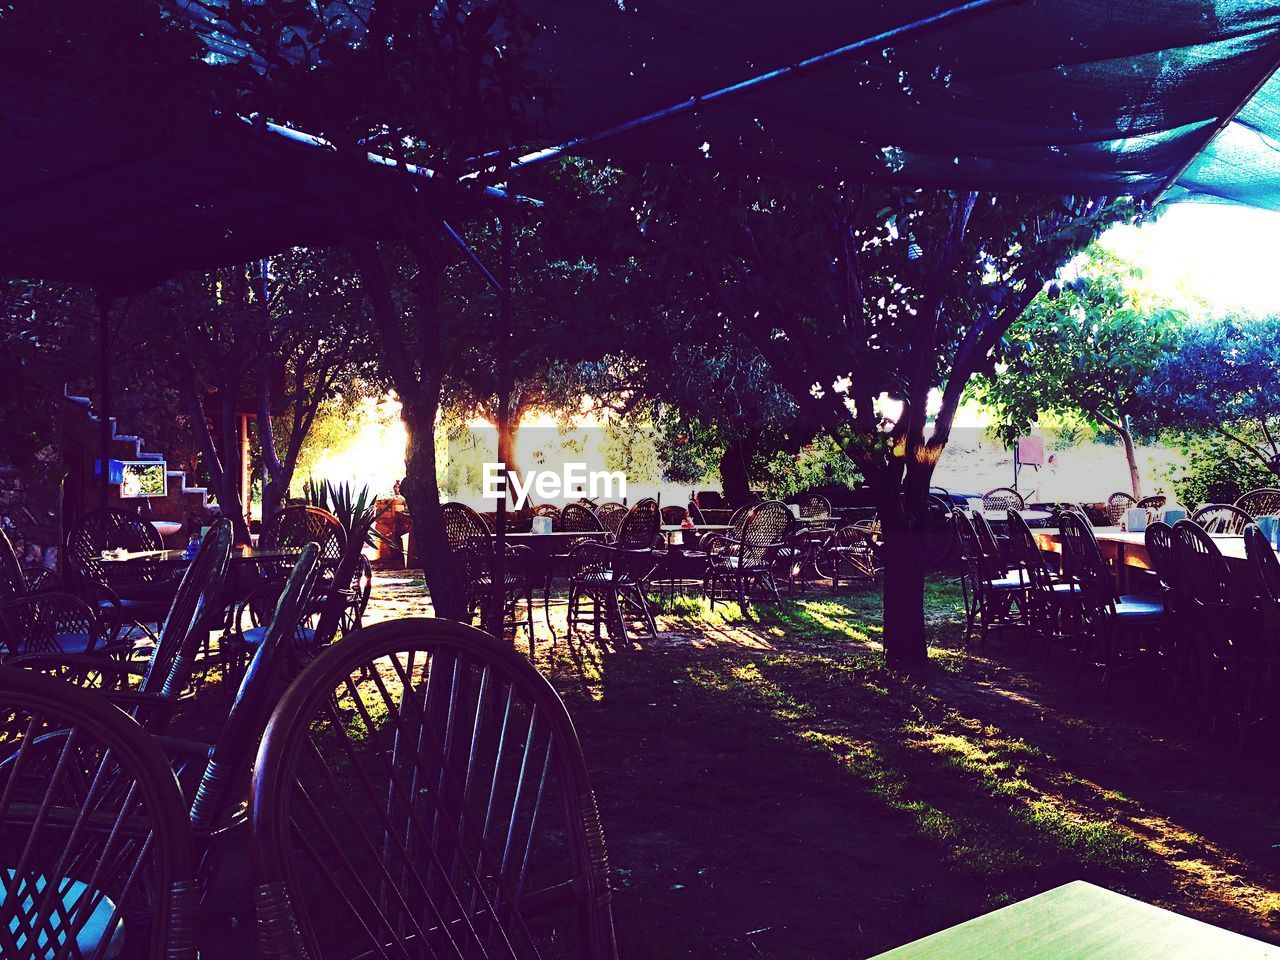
(1131, 455)
(422, 494)
(735, 480)
(905, 551)
(507, 455)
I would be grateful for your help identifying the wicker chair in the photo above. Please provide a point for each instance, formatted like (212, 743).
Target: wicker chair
(1265, 501)
(1264, 566)
(814, 506)
(142, 588)
(851, 554)
(212, 774)
(1153, 504)
(989, 589)
(612, 577)
(611, 516)
(48, 621)
(293, 528)
(472, 546)
(1114, 626)
(576, 518)
(168, 671)
(1003, 498)
(1117, 504)
(673, 516)
(1222, 519)
(1227, 654)
(737, 563)
(93, 831)
(1048, 598)
(471, 829)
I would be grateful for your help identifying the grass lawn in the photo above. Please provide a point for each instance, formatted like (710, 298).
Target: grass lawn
(770, 790)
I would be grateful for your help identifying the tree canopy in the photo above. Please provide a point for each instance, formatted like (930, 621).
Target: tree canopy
(1086, 347)
(1221, 379)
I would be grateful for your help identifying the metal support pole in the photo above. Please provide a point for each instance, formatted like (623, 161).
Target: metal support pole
(104, 398)
(504, 397)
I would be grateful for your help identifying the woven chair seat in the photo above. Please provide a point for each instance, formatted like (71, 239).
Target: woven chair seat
(88, 933)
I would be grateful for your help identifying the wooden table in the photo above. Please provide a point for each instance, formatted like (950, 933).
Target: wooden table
(1127, 551)
(1080, 921)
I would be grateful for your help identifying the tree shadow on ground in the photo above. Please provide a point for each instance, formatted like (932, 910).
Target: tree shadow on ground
(780, 794)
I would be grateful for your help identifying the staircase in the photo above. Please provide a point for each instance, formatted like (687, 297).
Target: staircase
(182, 500)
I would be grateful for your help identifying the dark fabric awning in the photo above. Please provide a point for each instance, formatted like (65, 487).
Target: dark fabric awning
(1100, 96)
(81, 200)
(1113, 96)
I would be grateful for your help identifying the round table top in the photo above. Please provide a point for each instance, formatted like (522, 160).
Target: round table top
(248, 554)
(996, 516)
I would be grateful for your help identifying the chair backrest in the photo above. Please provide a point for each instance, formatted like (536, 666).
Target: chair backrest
(763, 528)
(1003, 498)
(1154, 502)
(294, 527)
(673, 515)
(639, 527)
(1222, 518)
(989, 545)
(814, 505)
(197, 599)
(1261, 502)
(343, 607)
(1162, 548)
(736, 520)
(611, 516)
(110, 530)
(421, 792)
(1117, 504)
(470, 541)
(695, 513)
(1083, 558)
(576, 518)
(970, 549)
(95, 848)
(1263, 563)
(1027, 551)
(257, 694)
(1206, 576)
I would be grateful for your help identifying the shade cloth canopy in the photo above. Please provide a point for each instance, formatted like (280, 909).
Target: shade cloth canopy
(1098, 96)
(1108, 96)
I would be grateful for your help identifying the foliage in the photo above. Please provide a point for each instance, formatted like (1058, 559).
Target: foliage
(817, 464)
(856, 294)
(354, 508)
(1084, 347)
(629, 446)
(1212, 470)
(1222, 379)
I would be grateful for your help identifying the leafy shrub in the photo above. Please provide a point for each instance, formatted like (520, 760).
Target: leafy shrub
(1215, 470)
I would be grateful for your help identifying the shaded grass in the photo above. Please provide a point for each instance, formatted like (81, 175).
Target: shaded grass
(789, 797)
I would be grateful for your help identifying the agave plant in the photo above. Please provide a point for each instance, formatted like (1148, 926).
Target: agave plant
(355, 509)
